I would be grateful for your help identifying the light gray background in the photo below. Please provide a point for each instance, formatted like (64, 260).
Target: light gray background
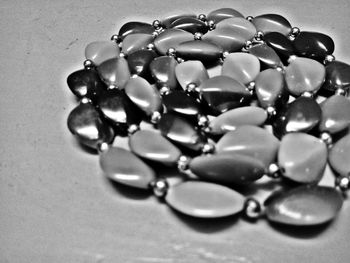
(55, 205)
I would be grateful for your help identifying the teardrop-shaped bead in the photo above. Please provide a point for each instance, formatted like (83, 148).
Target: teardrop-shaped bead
(242, 67)
(191, 71)
(204, 51)
(272, 23)
(339, 156)
(252, 141)
(305, 206)
(190, 24)
(227, 38)
(100, 51)
(281, 44)
(135, 27)
(171, 38)
(163, 71)
(114, 72)
(134, 42)
(88, 127)
(337, 76)
(143, 95)
(223, 13)
(139, 62)
(313, 45)
(180, 102)
(126, 168)
(302, 157)
(85, 83)
(240, 25)
(222, 93)
(228, 168)
(230, 120)
(267, 56)
(335, 114)
(304, 75)
(181, 131)
(270, 88)
(166, 22)
(204, 200)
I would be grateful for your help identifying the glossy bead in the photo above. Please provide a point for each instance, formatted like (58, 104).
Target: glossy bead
(178, 101)
(85, 83)
(313, 45)
(163, 71)
(139, 62)
(228, 168)
(339, 156)
(335, 114)
(114, 72)
(143, 95)
(171, 38)
(190, 24)
(100, 51)
(302, 157)
(204, 200)
(281, 44)
(242, 67)
(126, 168)
(88, 127)
(180, 131)
(153, 146)
(305, 206)
(166, 22)
(222, 93)
(270, 88)
(267, 56)
(204, 51)
(134, 42)
(223, 13)
(240, 25)
(230, 120)
(304, 75)
(272, 23)
(135, 28)
(252, 141)
(191, 71)
(337, 76)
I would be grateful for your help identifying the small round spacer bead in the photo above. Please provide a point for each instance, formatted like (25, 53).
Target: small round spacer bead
(202, 121)
(280, 69)
(102, 147)
(198, 36)
(252, 209)
(294, 32)
(208, 148)
(202, 17)
(341, 92)
(211, 25)
(183, 164)
(150, 46)
(156, 24)
(251, 87)
(248, 44)
(155, 117)
(133, 128)
(164, 90)
(249, 18)
(326, 138)
(273, 171)
(155, 34)
(259, 36)
(291, 58)
(271, 111)
(307, 94)
(191, 87)
(88, 64)
(116, 38)
(85, 100)
(343, 183)
(159, 187)
(180, 60)
(225, 54)
(122, 55)
(171, 52)
(328, 59)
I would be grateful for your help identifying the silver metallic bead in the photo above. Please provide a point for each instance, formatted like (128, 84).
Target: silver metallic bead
(343, 183)
(160, 187)
(271, 111)
(156, 24)
(251, 87)
(122, 55)
(85, 100)
(252, 208)
(155, 118)
(102, 147)
(248, 44)
(183, 163)
(155, 34)
(202, 17)
(326, 138)
(273, 171)
(133, 128)
(249, 18)
(328, 59)
(150, 46)
(88, 64)
(203, 121)
(259, 36)
(280, 69)
(294, 32)
(171, 52)
(225, 54)
(341, 92)
(307, 94)
(111, 86)
(179, 60)
(211, 25)
(291, 58)
(198, 36)
(116, 38)
(164, 90)
(208, 148)
(191, 87)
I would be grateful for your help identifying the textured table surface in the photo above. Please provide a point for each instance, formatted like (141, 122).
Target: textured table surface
(55, 204)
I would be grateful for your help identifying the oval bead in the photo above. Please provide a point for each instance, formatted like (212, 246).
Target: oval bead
(204, 200)
(85, 83)
(139, 62)
(88, 127)
(126, 168)
(313, 45)
(190, 24)
(240, 25)
(100, 51)
(134, 42)
(267, 56)
(228, 168)
(337, 76)
(339, 156)
(163, 71)
(202, 50)
(281, 44)
(335, 114)
(180, 102)
(230, 120)
(135, 27)
(305, 206)
(222, 93)
(153, 146)
(252, 141)
(181, 131)
(166, 22)
(302, 157)
(171, 38)
(223, 13)
(242, 67)
(191, 71)
(143, 95)
(114, 72)
(270, 88)
(304, 75)
(272, 23)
